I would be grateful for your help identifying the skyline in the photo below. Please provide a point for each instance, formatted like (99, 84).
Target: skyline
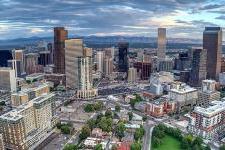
(183, 19)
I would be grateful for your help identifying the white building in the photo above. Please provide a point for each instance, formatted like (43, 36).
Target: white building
(100, 61)
(132, 75)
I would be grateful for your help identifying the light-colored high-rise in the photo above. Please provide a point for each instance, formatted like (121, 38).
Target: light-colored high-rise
(108, 66)
(73, 50)
(161, 51)
(100, 61)
(19, 55)
(26, 126)
(132, 75)
(7, 79)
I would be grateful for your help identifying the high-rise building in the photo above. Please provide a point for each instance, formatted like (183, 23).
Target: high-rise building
(108, 66)
(15, 65)
(132, 75)
(29, 124)
(208, 93)
(143, 70)
(212, 42)
(60, 35)
(73, 50)
(20, 56)
(5, 55)
(85, 83)
(7, 79)
(166, 64)
(31, 62)
(2, 147)
(161, 52)
(100, 61)
(198, 67)
(208, 123)
(87, 52)
(44, 58)
(123, 57)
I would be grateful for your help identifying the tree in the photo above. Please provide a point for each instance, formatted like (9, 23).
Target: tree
(184, 144)
(91, 123)
(120, 129)
(98, 106)
(65, 129)
(98, 147)
(117, 108)
(222, 147)
(144, 118)
(156, 142)
(108, 113)
(139, 133)
(130, 114)
(135, 146)
(85, 132)
(114, 147)
(207, 147)
(106, 124)
(198, 141)
(89, 108)
(70, 147)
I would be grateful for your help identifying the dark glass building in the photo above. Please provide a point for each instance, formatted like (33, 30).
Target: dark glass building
(5, 55)
(198, 71)
(212, 42)
(143, 69)
(60, 35)
(123, 58)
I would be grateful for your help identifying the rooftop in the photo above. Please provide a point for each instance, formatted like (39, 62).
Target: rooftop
(217, 107)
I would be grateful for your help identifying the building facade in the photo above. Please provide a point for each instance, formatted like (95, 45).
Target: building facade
(212, 42)
(60, 35)
(161, 51)
(123, 57)
(7, 79)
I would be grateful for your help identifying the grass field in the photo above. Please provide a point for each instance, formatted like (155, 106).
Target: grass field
(169, 143)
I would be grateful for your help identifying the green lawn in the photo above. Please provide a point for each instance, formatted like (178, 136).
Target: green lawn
(169, 143)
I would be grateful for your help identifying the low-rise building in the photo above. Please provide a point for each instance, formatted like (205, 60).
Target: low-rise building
(209, 123)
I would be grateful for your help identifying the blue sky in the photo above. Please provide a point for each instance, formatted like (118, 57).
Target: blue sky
(183, 18)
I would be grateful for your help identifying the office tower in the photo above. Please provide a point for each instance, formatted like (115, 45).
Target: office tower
(123, 57)
(87, 52)
(100, 60)
(5, 55)
(60, 35)
(166, 64)
(132, 75)
(147, 58)
(208, 93)
(85, 82)
(161, 51)
(44, 58)
(223, 64)
(108, 66)
(15, 65)
(50, 48)
(28, 125)
(212, 42)
(31, 62)
(143, 70)
(19, 55)
(7, 79)
(183, 62)
(198, 67)
(208, 123)
(110, 52)
(73, 50)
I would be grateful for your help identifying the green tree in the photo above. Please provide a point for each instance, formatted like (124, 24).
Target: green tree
(106, 124)
(184, 144)
(108, 113)
(144, 118)
(117, 108)
(89, 108)
(70, 147)
(130, 114)
(222, 147)
(85, 132)
(98, 106)
(135, 146)
(91, 123)
(156, 142)
(98, 147)
(207, 147)
(120, 129)
(198, 141)
(65, 129)
(139, 133)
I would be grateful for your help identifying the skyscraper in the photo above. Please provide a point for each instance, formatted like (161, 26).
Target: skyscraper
(132, 75)
(198, 71)
(19, 56)
(7, 79)
(60, 35)
(73, 50)
(123, 58)
(100, 61)
(212, 42)
(108, 66)
(161, 43)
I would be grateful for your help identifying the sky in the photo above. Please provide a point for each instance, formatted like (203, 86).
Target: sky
(182, 18)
